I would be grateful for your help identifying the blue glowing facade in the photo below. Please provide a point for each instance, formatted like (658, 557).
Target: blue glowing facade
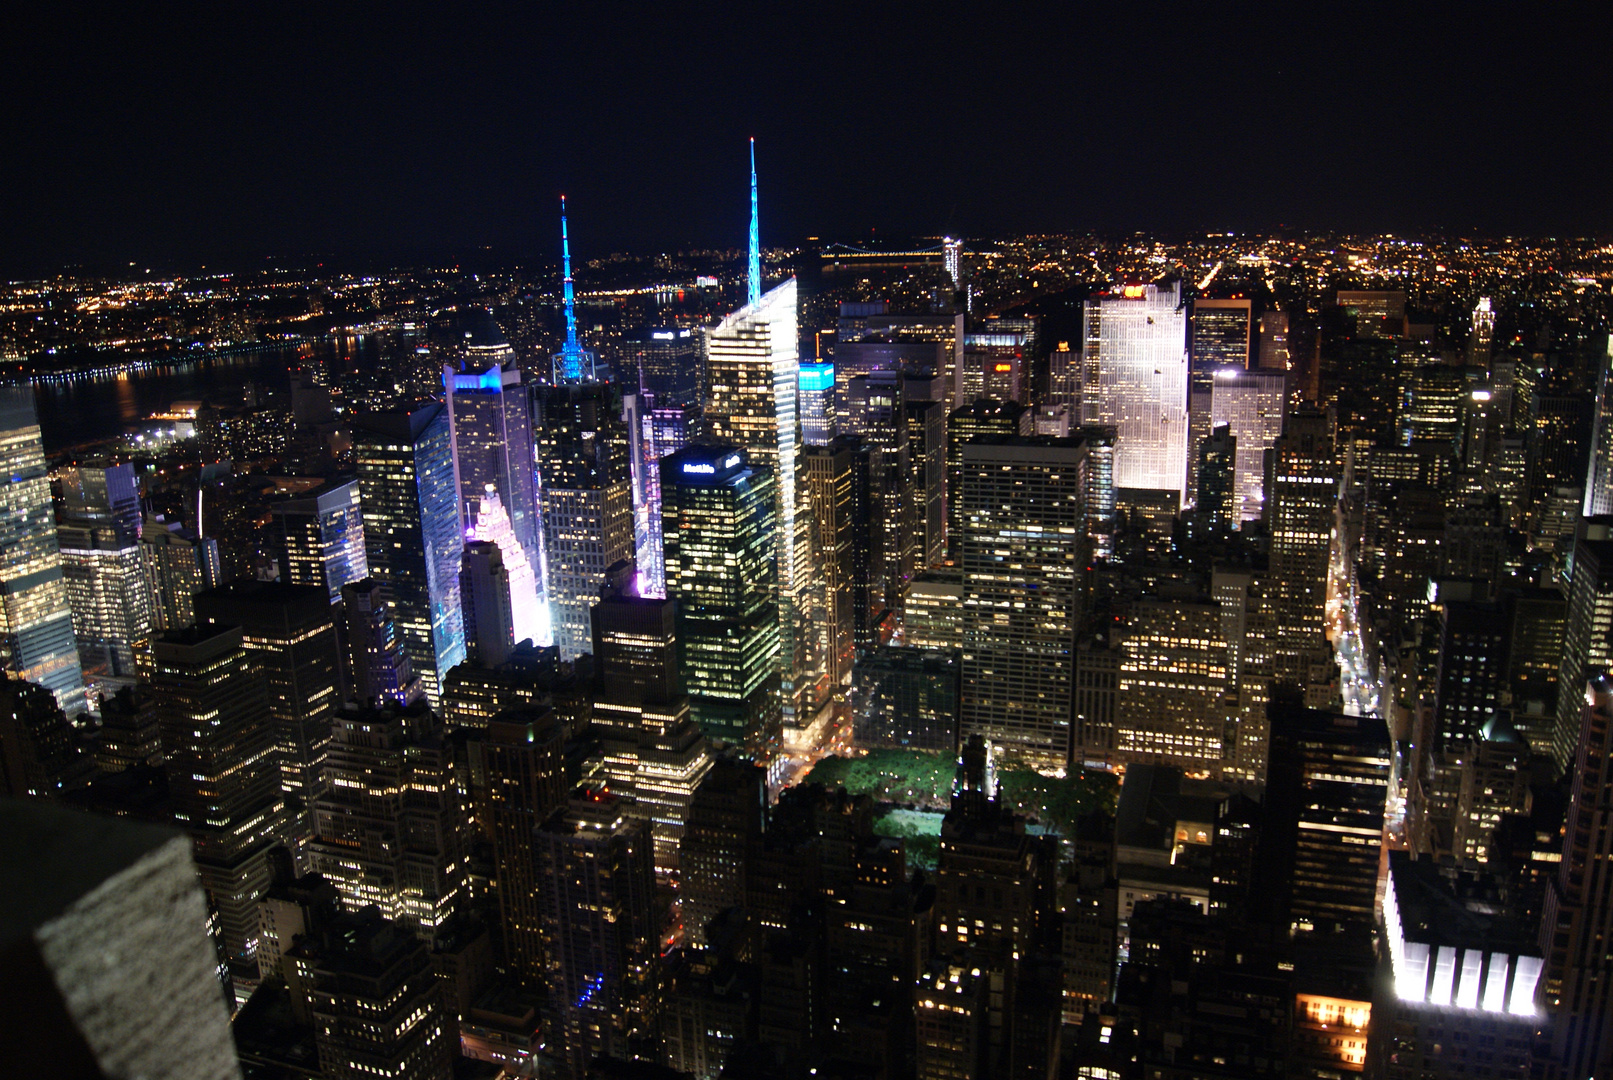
(754, 281)
(573, 363)
(410, 491)
(816, 391)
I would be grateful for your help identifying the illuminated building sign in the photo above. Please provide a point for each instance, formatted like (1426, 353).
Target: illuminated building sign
(663, 335)
(817, 377)
(1002, 367)
(699, 468)
(1134, 292)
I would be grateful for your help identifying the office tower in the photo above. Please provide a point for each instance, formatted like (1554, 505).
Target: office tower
(1471, 675)
(532, 677)
(506, 584)
(375, 1001)
(1557, 431)
(1494, 786)
(177, 564)
(1134, 379)
(410, 489)
(652, 749)
(83, 891)
(488, 415)
(1303, 495)
(876, 415)
(378, 668)
(1274, 354)
(719, 526)
(1463, 975)
(1599, 477)
(485, 592)
(978, 418)
(1175, 691)
(932, 611)
(289, 631)
(669, 362)
(1023, 552)
(320, 537)
(106, 589)
(39, 749)
(36, 623)
(1378, 314)
(951, 1011)
(1432, 403)
(293, 908)
(1587, 640)
(587, 501)
(1325, 795)
(596, 891)
(219, 740)
(1536, 624)
(388, 827)
(1221, 333)
(1578, 990)
(831, 473)
(573, 363)
(909, 699)
(727, 814)
(665, 431)
(817, 393)
(927, 486)
(1216, 455)
(993, 366)
(521, 754)
(104, 494)
(1482, 338)
(131, 731)
(1250, 403)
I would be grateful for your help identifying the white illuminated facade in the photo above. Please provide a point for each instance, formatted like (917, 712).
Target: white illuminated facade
(527, 616)
(1134, 379)
(1250, 402)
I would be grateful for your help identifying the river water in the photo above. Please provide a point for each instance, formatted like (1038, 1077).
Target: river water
(85, 409)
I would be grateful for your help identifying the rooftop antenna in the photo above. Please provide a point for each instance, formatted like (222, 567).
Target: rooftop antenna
(571, 359)
(755, 294)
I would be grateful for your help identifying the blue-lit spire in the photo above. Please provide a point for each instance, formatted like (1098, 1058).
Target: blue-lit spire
(755, 293)
(572, 359)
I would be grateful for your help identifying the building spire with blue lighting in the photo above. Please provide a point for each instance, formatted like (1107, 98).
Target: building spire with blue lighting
(572, 360)
(755, 293)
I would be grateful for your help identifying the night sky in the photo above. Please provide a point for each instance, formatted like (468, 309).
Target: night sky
(236, 131)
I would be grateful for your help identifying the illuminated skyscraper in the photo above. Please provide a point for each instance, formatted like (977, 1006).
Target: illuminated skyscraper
(718, 520)
(410, 490)
(526, 616)
(830, 473)
(1274, 341)
(36, 623)
(1023, 552)
(666, 431)
(1134, 379)
(378, 668)
(817, 387)
(669, 361)
(1221, 332)
(587, 501)
(1250, 403)
(219, 742)
(1599, 477)
(1482, 339)
(573, 363)
(1305, 491)
(106, 590)
(490, 420)
(320, 537)
(103, 494)
(178, 564)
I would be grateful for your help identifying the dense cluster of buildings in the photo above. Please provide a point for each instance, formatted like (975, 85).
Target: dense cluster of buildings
(488, 723)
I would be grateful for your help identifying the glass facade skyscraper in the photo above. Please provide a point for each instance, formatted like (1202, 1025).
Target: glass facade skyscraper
(1250, 403)
(321, 537)
(1134, 379)
(36, 623)
(718, 520)
(410, 490)
(817, 388)
(490, 420)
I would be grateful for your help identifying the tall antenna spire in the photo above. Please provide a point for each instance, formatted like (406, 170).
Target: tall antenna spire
(755, 294)
(572, 358)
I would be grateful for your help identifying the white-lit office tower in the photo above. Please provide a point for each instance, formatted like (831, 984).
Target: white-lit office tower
(502, 596)
(1300, 509)
(830, 475)
(177, 565)
(490, 420)
(412, 534)
(106, 588)
(754, 371)
(1023, 553)
(1274, 355)
(320, 537)
(1221, 333)
(817, 387)
(1250, 402)
(1134, 379)
(586, 496)
(1599, 477)
(36, 623)
(666, 431)
(1481, 341)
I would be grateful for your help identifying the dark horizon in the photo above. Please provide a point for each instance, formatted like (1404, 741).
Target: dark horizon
(234, 135)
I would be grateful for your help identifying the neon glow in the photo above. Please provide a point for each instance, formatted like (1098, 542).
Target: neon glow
(754, 290)
(573, 363)
(816, 378)
(493, 524)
